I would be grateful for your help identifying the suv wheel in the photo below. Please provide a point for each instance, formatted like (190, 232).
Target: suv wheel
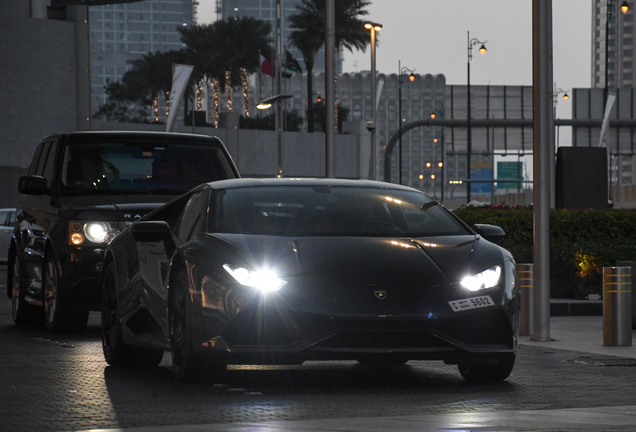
(23, 312)
(57, 313)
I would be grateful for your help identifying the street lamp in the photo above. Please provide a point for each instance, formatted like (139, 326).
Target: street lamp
(373, 28)
(265, 104)
(403, 71)
(624, 9)
(482, 49)
(555, 95)
(442, 113)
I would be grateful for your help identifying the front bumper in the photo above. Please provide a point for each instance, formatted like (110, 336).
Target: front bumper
(81, 275)
(277, 336)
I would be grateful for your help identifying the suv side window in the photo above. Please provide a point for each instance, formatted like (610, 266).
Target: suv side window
(44, 153)
(49, 162)
(36, 158)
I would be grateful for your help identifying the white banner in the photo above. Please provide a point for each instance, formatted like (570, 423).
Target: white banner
(180, 77)
(611, 97)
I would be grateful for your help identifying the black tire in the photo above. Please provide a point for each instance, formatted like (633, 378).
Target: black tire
(116, 351)
(187, 364)
(23, 313)
(488, 372)
(58, 315)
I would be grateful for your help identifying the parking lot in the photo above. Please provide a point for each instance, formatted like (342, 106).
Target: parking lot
(60, 382)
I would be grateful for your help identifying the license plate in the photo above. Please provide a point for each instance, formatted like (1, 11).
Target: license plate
(471, 303)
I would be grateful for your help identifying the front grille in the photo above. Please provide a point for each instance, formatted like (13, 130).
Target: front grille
(389, 340)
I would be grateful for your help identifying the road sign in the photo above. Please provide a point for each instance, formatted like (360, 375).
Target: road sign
(509, 170)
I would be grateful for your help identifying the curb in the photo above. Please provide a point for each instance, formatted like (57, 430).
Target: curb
(566, 307)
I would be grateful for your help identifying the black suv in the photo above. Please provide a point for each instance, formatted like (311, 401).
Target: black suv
(82, 189)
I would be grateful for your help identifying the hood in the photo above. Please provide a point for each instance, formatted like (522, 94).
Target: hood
(109, 207)
(345, 272)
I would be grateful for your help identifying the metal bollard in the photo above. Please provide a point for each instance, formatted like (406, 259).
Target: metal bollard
(617, 306)
(632, 265)
(526, 292)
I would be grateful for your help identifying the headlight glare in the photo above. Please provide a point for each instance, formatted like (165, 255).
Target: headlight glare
(96, 231)
(263, 280)
(484, 280)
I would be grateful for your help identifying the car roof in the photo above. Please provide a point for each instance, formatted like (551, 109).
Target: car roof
(92, 136)
(291, 182)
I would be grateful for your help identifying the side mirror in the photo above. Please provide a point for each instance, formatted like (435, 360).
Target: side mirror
(150, 231)
(492, 233)
(33, 185)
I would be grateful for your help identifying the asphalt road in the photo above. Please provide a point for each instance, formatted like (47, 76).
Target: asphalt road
(60, 382)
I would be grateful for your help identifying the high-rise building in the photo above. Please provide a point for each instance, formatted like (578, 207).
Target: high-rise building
(612, 45)
(123, 32)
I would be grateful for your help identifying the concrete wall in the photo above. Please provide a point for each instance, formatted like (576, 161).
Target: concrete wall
(38, 76)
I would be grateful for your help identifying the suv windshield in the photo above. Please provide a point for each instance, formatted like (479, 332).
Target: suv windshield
(141, 167)
(329, 211)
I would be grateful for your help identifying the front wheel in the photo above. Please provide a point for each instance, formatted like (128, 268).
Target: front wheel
(58, 315)
(488, 372)
(116, 351)
(23, 313)
(187, 364)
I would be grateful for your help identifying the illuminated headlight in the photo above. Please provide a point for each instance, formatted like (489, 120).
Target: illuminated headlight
(95, 232)
(263, 280)
(486, 279)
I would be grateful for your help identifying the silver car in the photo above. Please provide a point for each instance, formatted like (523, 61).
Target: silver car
(7, 222)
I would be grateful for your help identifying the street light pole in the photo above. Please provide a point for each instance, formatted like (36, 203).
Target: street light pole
(403, 70)
(557, 92)
(624, 9)
(278, 71)
(373, 28)
(469, 144)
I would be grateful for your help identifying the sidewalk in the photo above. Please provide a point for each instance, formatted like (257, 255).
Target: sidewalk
(580, 333)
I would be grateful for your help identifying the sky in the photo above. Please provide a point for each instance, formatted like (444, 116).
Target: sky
(431, 36)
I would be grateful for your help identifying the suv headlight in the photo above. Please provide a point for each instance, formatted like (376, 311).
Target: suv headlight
(95, 232)
(484, 280)
(264, 281)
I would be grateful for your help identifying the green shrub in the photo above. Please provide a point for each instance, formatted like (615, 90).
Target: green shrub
(582, 242)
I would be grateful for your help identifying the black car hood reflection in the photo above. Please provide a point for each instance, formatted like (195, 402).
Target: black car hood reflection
(349, 275)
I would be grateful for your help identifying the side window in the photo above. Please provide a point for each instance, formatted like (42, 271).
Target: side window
(36, 157)
(3, 218)
(191, 220)
(49, 162)
(39, 169)
(11, 219)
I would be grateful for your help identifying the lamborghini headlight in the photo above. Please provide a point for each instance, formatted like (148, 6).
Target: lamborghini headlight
(486, 279)
(264, 280)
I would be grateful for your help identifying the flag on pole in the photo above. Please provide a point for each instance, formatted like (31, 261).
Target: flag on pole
(291, 64)
(266, 68)
(180, 77)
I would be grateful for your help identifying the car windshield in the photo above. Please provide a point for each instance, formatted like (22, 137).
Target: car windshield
(140, 167)
(329, 211)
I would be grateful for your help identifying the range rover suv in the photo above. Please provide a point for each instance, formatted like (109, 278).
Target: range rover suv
(82, 188)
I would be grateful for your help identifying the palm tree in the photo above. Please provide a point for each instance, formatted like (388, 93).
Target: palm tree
(227, 45)
(151, 75)
(308, 35)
